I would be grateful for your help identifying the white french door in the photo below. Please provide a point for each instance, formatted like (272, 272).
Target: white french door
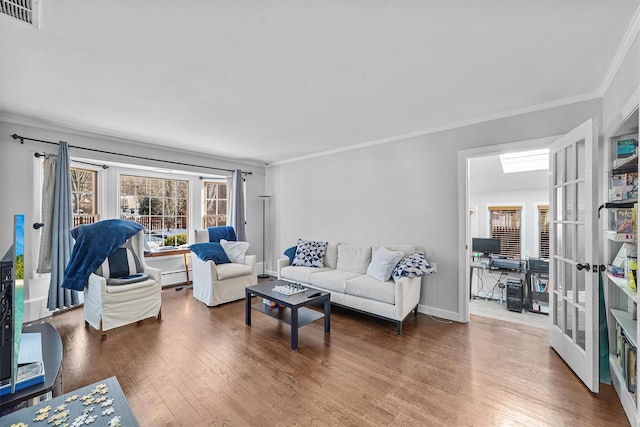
(573, 300)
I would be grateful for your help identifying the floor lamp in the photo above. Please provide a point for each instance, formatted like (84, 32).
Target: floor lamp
(264, 215)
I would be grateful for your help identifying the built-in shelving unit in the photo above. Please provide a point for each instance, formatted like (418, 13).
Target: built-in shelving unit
(620, 250)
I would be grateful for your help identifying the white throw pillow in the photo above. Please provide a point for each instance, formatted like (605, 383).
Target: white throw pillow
(235, 250)
(353, 258)
(382, 263)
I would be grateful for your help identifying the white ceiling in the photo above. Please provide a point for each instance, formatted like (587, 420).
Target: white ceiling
(267, 81)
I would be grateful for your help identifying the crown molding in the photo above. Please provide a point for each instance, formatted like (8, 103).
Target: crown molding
(109, 136)
(482, 119)
(621, 53)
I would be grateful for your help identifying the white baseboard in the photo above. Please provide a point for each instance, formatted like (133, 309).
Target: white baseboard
(444, 314)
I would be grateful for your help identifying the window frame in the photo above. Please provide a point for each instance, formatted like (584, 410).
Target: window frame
(507, 248)
(205, 201)
(83, 218)
(157, 241)
(543, 211)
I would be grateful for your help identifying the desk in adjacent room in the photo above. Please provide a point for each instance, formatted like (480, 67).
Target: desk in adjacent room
(491, 266)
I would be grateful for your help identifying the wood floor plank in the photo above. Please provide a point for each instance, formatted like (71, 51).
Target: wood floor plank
(204, 366)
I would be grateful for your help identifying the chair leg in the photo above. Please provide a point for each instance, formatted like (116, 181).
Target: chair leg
(160, 314)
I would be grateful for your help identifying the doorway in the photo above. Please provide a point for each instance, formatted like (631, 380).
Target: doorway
(509, 206)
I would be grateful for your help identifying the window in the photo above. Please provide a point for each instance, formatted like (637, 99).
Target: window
(84, 196)
(543, 231)
(216, 202)
(505, 224)
(160, 205)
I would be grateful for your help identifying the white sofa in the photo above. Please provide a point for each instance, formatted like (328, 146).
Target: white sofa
(217, 284)
(344, 275)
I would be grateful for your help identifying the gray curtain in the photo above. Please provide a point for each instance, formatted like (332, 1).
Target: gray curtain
(237, 205)
(48, 187)
(61, 241)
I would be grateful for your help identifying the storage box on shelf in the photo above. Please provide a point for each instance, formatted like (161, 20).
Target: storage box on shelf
(620, 243)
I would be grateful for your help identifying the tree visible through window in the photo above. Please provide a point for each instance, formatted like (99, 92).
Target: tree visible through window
(543, 230)
(160, 205)
(83, 196)
(216, 203)
(505, 223)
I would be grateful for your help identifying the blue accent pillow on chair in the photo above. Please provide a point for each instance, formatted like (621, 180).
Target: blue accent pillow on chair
(210, 252)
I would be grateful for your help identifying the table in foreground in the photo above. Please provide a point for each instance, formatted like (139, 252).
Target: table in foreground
(52, 358)
(103, 400)
(295, 313)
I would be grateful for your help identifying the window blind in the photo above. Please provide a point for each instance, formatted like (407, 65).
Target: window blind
(543, 231)
(505, 223)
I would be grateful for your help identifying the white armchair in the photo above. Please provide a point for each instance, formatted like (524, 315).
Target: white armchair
(110, 306)
(217, 284)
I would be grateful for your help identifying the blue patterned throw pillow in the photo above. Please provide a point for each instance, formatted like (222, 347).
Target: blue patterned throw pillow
(310, 254)
(412, 266)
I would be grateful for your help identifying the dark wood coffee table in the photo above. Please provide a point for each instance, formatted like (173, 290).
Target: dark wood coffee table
(295, 313)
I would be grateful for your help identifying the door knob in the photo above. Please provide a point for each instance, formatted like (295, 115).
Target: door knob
(584, 266)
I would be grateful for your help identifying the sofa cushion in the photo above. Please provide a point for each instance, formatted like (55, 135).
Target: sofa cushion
(412, 266)
(331, 256)
(235, 250)
(406, 249)
(353, 258)
(299, 274)
(370, 288)
(210, 252)
(229, 271)
(310, 253)
(383, 262)
(331, 280)
(127, 280)
(130, 286)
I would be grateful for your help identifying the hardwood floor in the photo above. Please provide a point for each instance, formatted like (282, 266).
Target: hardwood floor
(202, 366)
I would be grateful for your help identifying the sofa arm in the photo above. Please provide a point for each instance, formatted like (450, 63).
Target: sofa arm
(154, 273)
(407, 295)
(204, 271)
(282, 262)
(95, 287)
(251, 261)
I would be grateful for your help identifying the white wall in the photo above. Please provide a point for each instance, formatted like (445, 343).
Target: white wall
(400, 192)
(18, 168)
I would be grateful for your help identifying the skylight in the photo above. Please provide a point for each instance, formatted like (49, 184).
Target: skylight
(525, 161)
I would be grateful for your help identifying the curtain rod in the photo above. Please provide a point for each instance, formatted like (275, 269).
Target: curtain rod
(38, 155)
(24, 138)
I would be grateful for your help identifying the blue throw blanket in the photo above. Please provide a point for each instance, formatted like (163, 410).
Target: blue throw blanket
(94, 243)
(225, 232)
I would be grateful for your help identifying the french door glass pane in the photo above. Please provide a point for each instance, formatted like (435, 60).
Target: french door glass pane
(580, 159)
(568, 280)
(570, 170)
(568, 323)
(582, 325)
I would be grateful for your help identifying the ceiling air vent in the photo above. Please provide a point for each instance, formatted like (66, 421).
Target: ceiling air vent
(27, 11)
